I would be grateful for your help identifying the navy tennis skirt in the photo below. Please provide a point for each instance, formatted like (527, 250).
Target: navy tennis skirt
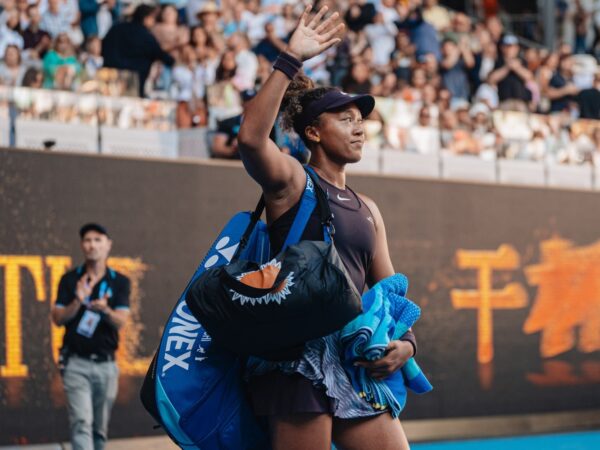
(276, 393)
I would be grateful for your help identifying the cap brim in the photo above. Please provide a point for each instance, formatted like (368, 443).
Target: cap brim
(364, 102)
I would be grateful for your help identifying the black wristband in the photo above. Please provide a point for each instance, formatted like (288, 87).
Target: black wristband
(287, 64)
(410, 337)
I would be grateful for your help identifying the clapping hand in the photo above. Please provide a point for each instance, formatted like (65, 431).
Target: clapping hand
(84, 287)
(99, 305)
(314, 36)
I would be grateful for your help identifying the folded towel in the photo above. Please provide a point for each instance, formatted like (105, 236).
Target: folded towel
(387, 316)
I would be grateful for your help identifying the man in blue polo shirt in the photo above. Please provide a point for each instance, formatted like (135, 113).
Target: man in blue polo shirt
(92, 303)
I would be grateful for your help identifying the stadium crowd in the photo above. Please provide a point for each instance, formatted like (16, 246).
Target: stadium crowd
(444, 80)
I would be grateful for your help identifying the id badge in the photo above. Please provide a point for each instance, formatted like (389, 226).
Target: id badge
(88, 323)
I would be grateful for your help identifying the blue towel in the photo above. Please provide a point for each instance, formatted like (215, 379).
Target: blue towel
(387, 316)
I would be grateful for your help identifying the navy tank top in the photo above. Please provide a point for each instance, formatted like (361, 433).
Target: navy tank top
(354, 237)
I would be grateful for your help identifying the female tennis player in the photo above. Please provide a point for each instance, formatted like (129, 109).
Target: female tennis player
(310, 402)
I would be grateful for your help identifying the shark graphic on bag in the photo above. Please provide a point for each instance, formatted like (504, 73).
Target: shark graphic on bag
(194, 389)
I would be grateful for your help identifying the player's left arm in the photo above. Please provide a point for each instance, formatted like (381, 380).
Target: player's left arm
(400, 351)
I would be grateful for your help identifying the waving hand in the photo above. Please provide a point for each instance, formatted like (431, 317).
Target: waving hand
(314, 35)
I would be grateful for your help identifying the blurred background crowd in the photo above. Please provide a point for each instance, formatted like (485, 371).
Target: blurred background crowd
(449, 76)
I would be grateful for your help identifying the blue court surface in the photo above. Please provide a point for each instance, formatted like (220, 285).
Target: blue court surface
(563, 441)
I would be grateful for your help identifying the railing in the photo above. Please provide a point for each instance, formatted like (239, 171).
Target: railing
(91, 123)
(447, 166)
(42, 119)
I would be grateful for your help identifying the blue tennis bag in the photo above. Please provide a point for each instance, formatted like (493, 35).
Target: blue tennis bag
(194, 389)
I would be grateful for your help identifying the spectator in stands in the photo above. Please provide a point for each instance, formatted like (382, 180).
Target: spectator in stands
(543, 76)
(290, 19)
(535, 149)
(423, 137)
(533, 58)
(33, 78)
(448, 124)
(191, 12)
(60, 64)
(223, 95)
(12, 17)
(511, 76)
(131, 46)
(430, 65)
(188, 90)
(429, 98)
(8, 36)
(169, 34)
(92, 59)
(560, 89)
(223, 142)
(359, 14)
(11, 69)
(56, 19)
(581, 19)
(232, 19)
(253, 21)
(387, 87)
(35, 40)
(387, 8)
(271, 45)
(457, 60)
(199, 41)
(97, 16)
(444, 99)
(418, 81)
(437, 15)
(576, 149)
(422, 34)
(589, 100)
(494, 26)
(460, 28)
(209, 15)
(487, 93)
(245, 59)
(485, 61)
(461, 108)
(23, 16)
(482, 129)
(382, 39)
(208, 54)
(358, 80)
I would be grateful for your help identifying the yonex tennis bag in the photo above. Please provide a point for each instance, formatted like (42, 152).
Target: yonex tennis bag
(270, 309)
(194, 389)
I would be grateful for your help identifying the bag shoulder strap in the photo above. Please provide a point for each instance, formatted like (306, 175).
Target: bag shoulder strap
(323, 203)
(254, 218)
(312, 197)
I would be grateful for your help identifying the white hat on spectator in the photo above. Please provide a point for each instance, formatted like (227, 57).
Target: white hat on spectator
(510, 39)
(209, 8)
(457, 104)
(479, 108)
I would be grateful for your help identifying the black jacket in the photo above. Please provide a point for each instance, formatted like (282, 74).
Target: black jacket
(131, 46)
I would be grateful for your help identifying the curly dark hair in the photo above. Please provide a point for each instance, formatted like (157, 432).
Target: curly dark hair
(299, 94)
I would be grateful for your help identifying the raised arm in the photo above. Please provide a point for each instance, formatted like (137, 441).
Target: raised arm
(273, 170)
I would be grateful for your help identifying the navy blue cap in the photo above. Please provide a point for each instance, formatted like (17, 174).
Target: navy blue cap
(92, 227)
(332, 100)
